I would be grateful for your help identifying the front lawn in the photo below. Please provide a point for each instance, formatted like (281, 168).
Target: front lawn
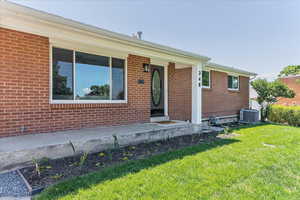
(262, 162)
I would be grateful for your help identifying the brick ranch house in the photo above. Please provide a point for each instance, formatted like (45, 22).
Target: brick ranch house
(58, 74)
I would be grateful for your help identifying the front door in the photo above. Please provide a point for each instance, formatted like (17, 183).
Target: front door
(157, 91)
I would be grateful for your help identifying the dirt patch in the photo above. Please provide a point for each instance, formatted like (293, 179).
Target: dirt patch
(52, 171)
(228, 135)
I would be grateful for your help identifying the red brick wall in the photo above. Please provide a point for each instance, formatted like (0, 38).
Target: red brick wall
(219, 101)
(292, 83)
(216, 101)
(180, 92)
(24, 91)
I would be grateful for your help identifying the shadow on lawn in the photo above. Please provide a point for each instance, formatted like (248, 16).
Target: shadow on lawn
(251, 125)
(87, 181)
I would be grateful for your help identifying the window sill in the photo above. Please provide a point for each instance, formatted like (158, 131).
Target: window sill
(233, 90)
(87, 104)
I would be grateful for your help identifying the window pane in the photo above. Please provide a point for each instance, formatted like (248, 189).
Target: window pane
(62, 70)
(92, 77)
(205, 78)
(233, 82)
(118, 80)
(229, 81)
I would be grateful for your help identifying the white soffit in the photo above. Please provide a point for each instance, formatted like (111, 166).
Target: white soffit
(182, 66)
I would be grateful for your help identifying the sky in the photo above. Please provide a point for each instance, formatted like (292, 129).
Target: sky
(261, 36)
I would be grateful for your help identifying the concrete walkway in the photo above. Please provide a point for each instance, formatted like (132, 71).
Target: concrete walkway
(20, 150)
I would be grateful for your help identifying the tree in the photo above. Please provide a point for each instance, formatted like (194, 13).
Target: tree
(290, 70)
(102, 90)
(268, 93)
(60, 83)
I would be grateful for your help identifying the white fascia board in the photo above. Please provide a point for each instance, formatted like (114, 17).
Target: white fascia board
(39, 17)
(230, 70)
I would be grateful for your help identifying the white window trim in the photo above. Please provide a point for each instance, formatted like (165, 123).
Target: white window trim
(74, 101)
(166, 95)
(209, 79)
(234, 89)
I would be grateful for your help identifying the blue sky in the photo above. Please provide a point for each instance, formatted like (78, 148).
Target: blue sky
(261, 36)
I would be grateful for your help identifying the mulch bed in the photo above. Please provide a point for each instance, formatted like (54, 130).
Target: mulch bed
(53, 171)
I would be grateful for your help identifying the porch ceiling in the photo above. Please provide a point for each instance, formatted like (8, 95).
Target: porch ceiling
(182, 66)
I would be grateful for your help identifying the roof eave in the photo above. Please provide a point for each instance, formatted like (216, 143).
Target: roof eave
(230, 69)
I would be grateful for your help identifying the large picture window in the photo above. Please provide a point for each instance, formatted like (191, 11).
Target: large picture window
(80, 77)
(233, 82)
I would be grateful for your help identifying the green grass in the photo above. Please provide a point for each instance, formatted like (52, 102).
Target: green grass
(262, 163)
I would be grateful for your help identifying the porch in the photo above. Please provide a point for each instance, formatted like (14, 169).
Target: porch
(21, 150)
(176, 92)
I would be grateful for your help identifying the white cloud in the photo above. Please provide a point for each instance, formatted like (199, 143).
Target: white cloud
(269, 77)
(86, 90)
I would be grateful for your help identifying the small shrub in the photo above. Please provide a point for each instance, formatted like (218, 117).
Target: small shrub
(37, 166)
(56, 177)
(227, 130)
(285, 114)
(101, 154)
(83, 159)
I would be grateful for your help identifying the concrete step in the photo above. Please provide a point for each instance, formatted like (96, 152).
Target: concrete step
(21, 150)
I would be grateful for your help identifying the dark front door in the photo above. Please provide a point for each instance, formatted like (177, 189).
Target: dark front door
(157, 91)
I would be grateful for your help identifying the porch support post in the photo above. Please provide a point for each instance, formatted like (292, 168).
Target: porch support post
(197, 94)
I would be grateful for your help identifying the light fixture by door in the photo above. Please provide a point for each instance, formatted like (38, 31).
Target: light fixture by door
(146, 67)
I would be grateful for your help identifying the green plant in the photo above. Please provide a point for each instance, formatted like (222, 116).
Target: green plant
(101, 154)
(45, 167)
(290, 70)
(37, 166)
(83, 158)
(125, 158)
(132, 147)
(57, 176)
(268, 93)
(227, 130)
(285, 114)
(44, 160)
